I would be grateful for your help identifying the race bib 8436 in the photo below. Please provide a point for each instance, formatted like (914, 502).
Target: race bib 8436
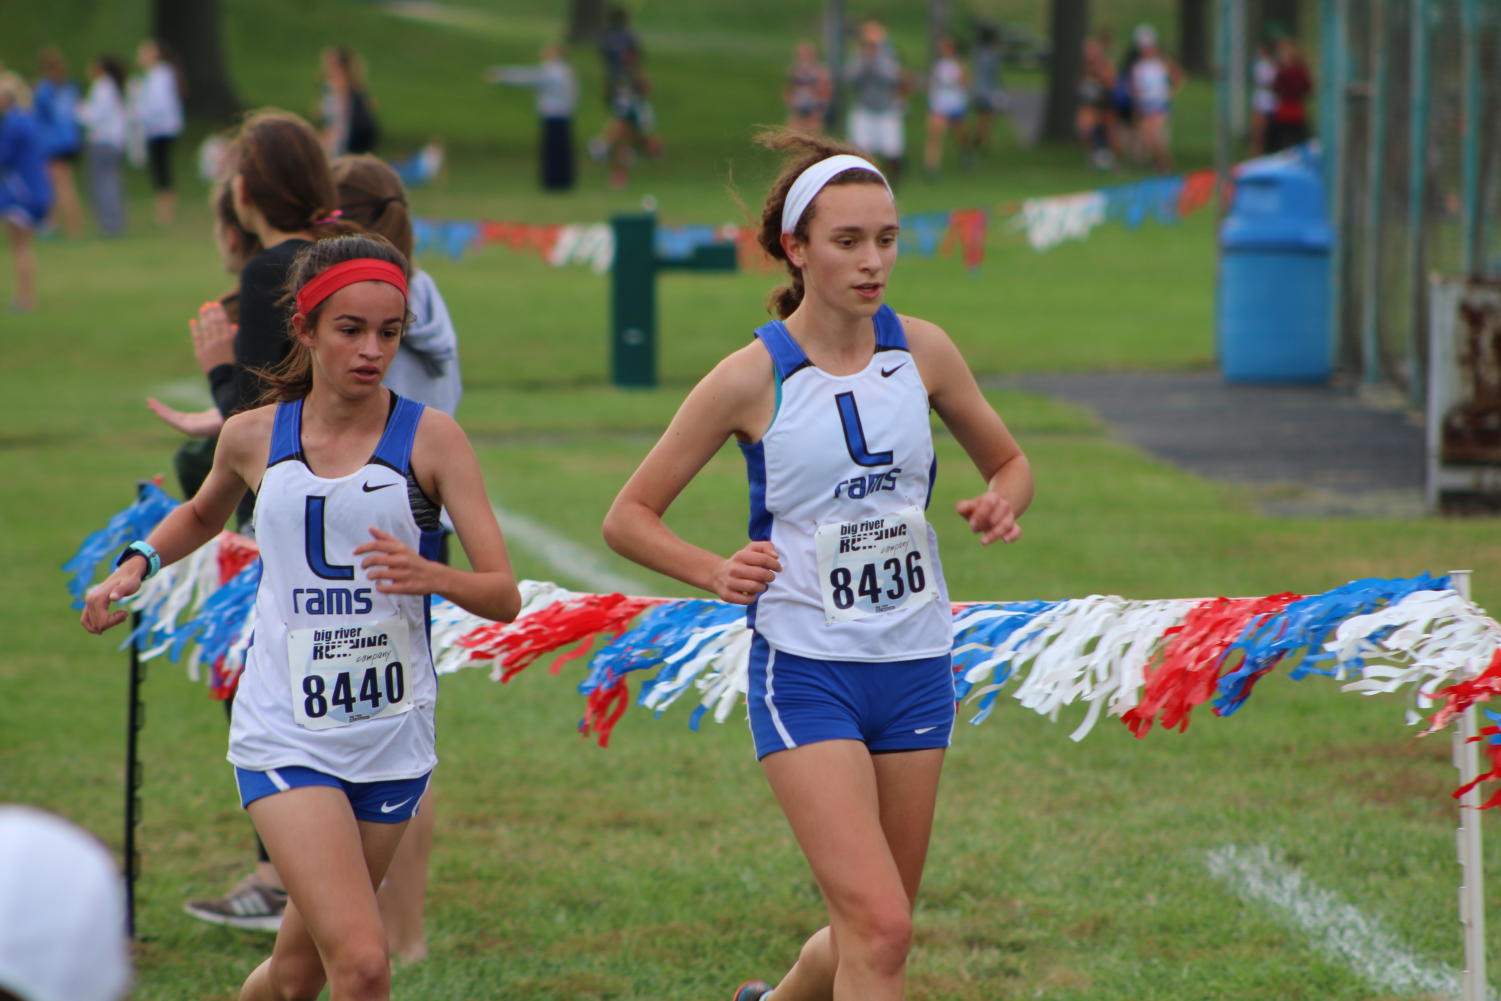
(874, 565)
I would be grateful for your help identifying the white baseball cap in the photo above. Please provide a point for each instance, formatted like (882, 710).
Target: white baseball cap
(62, 911)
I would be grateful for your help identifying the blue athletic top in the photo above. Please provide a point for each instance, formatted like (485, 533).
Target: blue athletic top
(839, 484)
(23, 166)
(56, 107)
(339, 676)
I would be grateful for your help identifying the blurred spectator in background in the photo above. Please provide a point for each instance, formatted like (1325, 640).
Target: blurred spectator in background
(1123, 106)
(1154, 80)
(1292, 85)
(632, 122)
(56, 102)
(878, 92)
(105, 126)
(987, 89)
(158, 108)
(1094, 120)
(62, 912)
(346, 112)
(809, 90)
(1263, 97)
(557, 99)
(25, 194)
(236, 246)
(948, 100)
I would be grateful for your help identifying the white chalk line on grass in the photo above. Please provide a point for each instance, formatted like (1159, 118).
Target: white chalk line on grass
(1334, 927)
(564, 555)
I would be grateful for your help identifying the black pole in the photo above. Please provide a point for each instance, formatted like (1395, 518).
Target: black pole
(135, 718)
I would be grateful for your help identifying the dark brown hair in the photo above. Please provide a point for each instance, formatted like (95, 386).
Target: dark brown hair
(224, 215)
(113, 67)
(801, 151)
(350, 63)
(292, 377)
(371, 194)
(52, 63)
(285, 174)
(250, 244)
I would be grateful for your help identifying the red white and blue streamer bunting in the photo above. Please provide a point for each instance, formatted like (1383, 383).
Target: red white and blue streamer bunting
(1145, 663)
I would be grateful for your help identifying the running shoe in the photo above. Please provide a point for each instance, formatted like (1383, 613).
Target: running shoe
(251, 905)
(751, 990)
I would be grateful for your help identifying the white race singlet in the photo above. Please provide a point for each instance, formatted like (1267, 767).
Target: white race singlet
(339, 677)
(839, 484)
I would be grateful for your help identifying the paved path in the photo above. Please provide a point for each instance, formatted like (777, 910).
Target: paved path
(1309, 450)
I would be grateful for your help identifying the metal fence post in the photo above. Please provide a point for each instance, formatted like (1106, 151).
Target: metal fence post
(1469, 20)
(1334, 22)
(1471, 890)
(1420, 76)
(1372, 366)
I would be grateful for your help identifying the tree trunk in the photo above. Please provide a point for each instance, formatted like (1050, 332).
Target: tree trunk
(1193, 36)
(1280, 14)
(1070, 26)
(190, 31)
(834, 32)
(938, 26)
(586, 21)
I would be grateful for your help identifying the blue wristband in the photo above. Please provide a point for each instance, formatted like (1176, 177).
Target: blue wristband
(142, 549)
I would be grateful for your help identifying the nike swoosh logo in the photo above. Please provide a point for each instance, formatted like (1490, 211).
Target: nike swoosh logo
(887, 372)
(370, 490)
(925, 729)
(387, 807)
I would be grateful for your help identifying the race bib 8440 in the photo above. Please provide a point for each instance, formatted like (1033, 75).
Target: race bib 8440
(348, 673)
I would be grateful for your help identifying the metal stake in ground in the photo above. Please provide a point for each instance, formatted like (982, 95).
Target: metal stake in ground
(135, 718)
(1471, 892)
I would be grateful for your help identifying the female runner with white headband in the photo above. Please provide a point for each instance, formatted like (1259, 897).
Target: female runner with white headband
(851, 689)
(332, 733)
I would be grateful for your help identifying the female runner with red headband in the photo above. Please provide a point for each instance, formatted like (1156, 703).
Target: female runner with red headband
(332, 736)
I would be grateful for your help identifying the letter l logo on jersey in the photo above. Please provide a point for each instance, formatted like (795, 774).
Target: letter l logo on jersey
(317, 561)
(854, 434)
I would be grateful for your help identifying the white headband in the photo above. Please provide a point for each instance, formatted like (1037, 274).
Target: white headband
(811, 181)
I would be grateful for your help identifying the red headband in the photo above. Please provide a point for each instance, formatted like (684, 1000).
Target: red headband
(362, 269)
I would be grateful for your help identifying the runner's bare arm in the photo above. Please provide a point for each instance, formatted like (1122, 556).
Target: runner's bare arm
(737, 398)
(242, 446)
(447, 469)
(979, 430)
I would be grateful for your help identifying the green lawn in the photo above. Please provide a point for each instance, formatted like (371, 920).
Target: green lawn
(659, 868)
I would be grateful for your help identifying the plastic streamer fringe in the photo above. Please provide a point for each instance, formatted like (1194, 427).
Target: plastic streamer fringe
(1143, 662)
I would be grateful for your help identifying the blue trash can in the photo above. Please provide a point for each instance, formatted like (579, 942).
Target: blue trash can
(1272, 307)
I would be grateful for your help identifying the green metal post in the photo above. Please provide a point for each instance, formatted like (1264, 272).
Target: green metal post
(633, 302)
(1372, 367)
(1469, 33)
(633, 294)
(1420, 77)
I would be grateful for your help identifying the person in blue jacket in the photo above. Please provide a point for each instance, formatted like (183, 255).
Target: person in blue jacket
(25, 193)
(56, 104)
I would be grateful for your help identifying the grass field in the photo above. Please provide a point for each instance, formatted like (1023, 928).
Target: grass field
(660, 868)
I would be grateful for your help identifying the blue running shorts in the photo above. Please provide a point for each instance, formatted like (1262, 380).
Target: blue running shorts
(897, 705)
(380, 802)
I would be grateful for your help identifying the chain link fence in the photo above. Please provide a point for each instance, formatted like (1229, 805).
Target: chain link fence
(1412, 152)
